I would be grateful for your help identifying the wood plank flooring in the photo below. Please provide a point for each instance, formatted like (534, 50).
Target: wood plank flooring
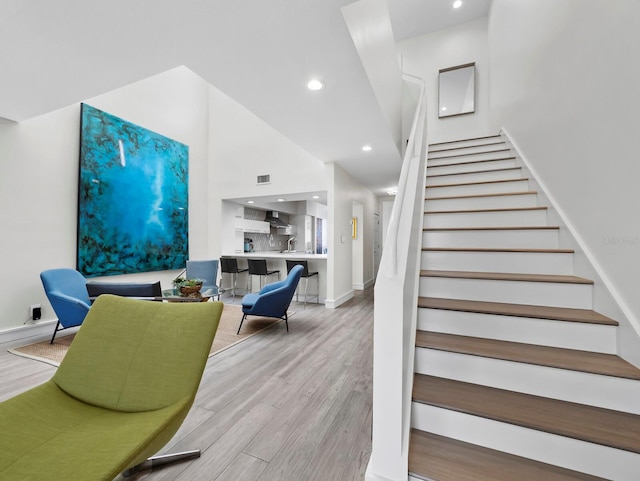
(279, 406)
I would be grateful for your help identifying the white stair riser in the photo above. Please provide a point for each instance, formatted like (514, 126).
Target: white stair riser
(520, 185)
(487, 202)
(433, 179)
(568, 453)
(470, 167)
(577, 296)
(464, 143)
(508, 218)
(460, 149)
(517, 238)
(462, 157)
(572, 386)
(518, 262)
(543, 332)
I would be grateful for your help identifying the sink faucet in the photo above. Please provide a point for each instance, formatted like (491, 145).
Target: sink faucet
(289, 241)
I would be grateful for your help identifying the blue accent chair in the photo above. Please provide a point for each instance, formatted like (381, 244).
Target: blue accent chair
(207, 270)
(66, 290)
(273, 299)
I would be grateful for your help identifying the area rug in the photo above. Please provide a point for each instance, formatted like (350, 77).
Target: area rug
(226, 337)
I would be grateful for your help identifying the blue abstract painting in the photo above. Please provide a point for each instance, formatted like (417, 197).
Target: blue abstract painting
(132, 198)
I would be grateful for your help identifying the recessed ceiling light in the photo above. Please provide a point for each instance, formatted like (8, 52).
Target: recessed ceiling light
(367, 148)
(315, 84)
(280, 200)
(457, 4)
(443, 109)
(316, 196)
(249, 202)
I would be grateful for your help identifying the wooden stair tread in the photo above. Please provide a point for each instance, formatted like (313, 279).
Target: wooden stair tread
(497, 250)
(506, 276)
(473, 196)
(578, 421)
(489, 144)
(472, 211)
(466, 163)
(484, 182)
(556, 357)
(444, 459)
(475, 172)
(453, 156)
(470, 139)
(522, 227)
(518, 310)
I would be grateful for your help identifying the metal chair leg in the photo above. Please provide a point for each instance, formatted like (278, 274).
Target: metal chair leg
(55, 332)
(244, 316)
(157, 461)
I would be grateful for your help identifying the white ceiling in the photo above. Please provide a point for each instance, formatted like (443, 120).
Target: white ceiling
(259, 52)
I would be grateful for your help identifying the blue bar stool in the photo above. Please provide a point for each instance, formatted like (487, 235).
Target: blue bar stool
(258, 267)
(229, 265)
(305, 274)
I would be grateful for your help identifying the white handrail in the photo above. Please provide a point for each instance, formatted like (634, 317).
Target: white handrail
(395, 312)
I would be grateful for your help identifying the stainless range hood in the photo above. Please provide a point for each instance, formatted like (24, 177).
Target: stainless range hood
(273, 218)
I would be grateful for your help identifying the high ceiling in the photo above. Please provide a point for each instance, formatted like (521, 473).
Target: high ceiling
(259, 52)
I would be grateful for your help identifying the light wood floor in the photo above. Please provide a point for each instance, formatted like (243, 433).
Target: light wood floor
(279, 406)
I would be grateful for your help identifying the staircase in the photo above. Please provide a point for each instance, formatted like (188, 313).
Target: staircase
(517, 378)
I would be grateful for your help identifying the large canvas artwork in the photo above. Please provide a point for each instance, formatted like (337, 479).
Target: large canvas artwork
(132, 198)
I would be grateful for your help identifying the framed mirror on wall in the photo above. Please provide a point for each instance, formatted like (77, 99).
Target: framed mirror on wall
(457, 90)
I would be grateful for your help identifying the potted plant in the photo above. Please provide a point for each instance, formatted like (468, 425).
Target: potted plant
(188, 287)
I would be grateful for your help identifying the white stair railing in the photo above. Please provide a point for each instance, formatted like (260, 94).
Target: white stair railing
(395, 311)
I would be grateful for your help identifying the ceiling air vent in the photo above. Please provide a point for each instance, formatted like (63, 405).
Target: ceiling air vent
(264, 179)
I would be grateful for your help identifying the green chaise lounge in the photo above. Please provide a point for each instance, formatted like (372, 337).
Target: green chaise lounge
(123, 389)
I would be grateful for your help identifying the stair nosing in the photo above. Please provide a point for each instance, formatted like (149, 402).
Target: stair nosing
(483, 182)
(498, 250)
(477, 211)
(464, 155)
(525, 227)
(482, 196)
(565, 314)
(552, 357)
(467, 163)
(559, 426)
(474, 172)
(470, 147)
(467, 140)
(451, 454)
(507, 276)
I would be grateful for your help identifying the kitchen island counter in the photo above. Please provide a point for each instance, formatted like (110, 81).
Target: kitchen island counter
(277, 255)
(277, 261)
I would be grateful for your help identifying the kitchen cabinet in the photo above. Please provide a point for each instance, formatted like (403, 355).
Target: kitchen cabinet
(252, 226)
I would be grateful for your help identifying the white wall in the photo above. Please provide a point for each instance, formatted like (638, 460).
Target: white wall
(243, 146)
(228, 148)
(343, 192)
(38, 186)
(425, 55)
(564, 83)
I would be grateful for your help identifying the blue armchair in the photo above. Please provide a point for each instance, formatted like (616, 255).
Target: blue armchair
(273, 299)
(66, 290)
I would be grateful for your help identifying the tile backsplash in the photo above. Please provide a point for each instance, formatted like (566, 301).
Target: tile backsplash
(266, 242)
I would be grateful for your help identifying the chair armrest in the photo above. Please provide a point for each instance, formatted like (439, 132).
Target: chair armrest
(272, 287)
(71, 300)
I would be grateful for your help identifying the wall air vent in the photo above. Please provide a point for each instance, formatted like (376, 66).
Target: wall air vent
(264, 179)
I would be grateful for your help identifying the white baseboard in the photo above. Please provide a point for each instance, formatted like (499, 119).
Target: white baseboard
(361, 286)
(21, 335)
(333, 303)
